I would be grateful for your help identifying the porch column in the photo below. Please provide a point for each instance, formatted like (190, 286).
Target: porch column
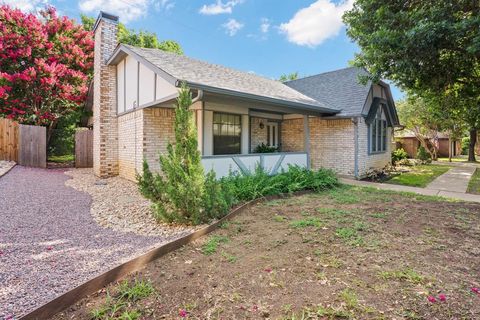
(245, 133)
(199, 121)
(306, 139)
(207, 133)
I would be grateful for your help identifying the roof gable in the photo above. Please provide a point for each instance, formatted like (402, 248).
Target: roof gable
(203, 75)
(340, 88)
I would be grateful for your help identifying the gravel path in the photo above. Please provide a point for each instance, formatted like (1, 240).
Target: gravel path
(49, 242)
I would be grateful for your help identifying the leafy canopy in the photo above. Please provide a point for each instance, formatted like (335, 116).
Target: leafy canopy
(288, 77)
(141, 38)
(45, 65)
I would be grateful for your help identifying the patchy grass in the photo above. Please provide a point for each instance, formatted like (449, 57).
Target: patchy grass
(61, 159)
(327, 257)
(419, 176)
(122, 304)
(474, 183)
(210, 247)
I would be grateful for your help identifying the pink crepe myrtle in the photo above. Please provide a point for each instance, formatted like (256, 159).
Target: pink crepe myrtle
(442, 297)
(476, 290)
(183, 313)
(432, 299)
(46, 64)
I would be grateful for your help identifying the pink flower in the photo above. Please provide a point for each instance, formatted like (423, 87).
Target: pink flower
(183, 313)
(432, 299)
(268, 270)
(49, 248)
(442, 297)
(1, 253)
(476, 290)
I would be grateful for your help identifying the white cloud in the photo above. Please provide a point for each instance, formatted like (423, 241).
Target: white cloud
(219, 7)
(127, 10)
(313, 25)
(232, 27)
(26, 5)
(265, 25)
(165, 5)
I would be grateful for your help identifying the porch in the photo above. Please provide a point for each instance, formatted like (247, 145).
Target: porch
(237, 136)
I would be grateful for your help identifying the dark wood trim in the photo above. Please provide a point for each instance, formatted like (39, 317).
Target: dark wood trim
(64, 301)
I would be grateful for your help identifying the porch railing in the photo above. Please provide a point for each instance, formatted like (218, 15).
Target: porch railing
(270, 162)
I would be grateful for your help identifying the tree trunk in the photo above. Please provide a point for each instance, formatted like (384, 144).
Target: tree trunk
(449, 149)
(471, 147)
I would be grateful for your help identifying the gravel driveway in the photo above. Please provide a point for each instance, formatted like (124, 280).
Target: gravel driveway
(49, 242)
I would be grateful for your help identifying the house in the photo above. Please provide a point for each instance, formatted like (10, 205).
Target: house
(329, 120)
(409, 142)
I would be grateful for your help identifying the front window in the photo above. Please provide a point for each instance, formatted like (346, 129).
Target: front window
(378, 132)
(227, 132)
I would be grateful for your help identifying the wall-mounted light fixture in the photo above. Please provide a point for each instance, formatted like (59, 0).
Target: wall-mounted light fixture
(262, 125)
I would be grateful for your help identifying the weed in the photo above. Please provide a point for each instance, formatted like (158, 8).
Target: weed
(224, 225)
(230, 258)
(379, 215)
(406, 274)
(130, 315)
(210, 247)
(309, 222)
(139, 290)
(350, 236)
(278, 218)
(350, 298)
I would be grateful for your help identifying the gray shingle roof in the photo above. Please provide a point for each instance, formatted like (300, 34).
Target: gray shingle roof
(199, 72)
(340, 89)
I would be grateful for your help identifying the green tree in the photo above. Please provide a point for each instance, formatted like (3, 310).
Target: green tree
(288, 77)
(430, 47)
(140, 38)
(181, 192)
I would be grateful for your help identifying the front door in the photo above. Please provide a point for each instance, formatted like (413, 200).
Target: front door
(272, 134)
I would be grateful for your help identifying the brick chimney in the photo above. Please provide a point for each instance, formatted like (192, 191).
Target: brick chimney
(105, 130)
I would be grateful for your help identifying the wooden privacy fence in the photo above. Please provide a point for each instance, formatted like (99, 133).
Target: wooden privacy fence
(84, 148)
(8, 140)
(32, 151)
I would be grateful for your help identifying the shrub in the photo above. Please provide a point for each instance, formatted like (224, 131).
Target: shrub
(182, 193)
(423, 155)
(399, 154)
(249, 186)
(465, 145)
(263, 148)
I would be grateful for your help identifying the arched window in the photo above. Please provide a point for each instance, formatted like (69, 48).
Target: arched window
(378, 132)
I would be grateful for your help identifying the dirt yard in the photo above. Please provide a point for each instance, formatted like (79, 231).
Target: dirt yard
(346, 254)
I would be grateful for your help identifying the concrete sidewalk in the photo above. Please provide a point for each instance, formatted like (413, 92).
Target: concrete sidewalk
(454, 180)
(424, 191)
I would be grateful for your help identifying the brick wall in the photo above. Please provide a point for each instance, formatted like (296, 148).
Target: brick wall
(105, 139)
(258, 135)
(158, 132)
(332, 145)
(144, 133)
(130, 143)
(292, 136)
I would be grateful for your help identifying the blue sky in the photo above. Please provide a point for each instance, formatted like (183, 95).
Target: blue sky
(268, 37)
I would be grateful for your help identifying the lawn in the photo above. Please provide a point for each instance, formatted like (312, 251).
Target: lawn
(455, 159)
(474, 184)
(61, 159)
(419, 176)
(350, 253)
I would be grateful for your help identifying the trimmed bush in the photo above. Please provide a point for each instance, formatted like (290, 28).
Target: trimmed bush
(263, 148)
(398, 155)
(423, 155)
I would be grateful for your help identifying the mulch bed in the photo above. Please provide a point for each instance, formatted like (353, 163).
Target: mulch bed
(350, 253)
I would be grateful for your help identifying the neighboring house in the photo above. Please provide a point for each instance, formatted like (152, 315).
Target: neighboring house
(329, 120)
(407, 140)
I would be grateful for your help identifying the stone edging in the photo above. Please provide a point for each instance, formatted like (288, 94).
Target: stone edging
(62, 302)
(2, 173)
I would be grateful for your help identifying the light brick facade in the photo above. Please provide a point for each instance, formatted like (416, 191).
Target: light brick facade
(143, 134)
(292, 135)
(105, 138)
(257, 134)
(332, 145)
